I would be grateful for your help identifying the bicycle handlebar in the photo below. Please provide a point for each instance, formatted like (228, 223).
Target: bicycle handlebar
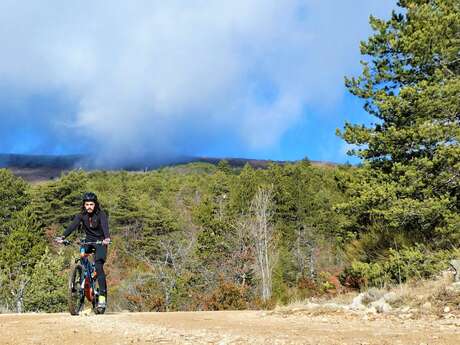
(80, 242)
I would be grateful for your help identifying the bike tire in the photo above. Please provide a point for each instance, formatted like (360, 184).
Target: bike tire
(99, 311)
(76, 297)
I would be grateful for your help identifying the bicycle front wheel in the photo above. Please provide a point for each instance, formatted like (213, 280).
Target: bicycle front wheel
(76, 295)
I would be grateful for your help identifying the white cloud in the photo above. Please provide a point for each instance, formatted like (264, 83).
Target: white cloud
(158, 76)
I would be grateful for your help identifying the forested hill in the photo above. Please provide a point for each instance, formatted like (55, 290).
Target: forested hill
(191, 237)
(200, 237)
(35, 168)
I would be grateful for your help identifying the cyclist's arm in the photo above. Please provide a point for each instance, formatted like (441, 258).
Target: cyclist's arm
(105, 225)
(75, 223)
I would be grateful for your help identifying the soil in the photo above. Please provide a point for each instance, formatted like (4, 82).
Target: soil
(227, 327)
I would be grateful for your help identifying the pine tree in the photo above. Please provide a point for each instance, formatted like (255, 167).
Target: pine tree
(46, 291)
(58, 202)
(21, 250)
(127, 215)
(13, 196)
(224, 166)
(408, 189)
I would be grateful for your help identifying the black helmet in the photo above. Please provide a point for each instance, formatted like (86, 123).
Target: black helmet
(90, 197)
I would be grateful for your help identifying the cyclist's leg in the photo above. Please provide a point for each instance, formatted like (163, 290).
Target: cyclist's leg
(99, 260)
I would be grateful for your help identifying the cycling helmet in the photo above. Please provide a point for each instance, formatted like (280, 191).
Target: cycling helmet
(89, 197)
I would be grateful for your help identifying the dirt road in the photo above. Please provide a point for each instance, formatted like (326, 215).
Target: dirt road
(238, 327)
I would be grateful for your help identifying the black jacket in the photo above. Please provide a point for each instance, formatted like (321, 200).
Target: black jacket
(95, 225)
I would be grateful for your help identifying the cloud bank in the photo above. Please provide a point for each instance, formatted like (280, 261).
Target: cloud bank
(161, 78)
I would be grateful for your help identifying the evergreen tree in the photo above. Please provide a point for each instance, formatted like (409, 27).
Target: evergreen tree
(58, 202)
(408, 188)
(13, 196)
(224, 166)
(21, 250)
(126, 215)
(244, 189)
(47, 289)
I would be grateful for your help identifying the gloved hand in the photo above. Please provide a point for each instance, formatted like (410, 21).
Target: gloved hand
(106, 241)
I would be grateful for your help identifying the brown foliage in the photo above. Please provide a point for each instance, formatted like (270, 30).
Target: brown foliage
(228, 296)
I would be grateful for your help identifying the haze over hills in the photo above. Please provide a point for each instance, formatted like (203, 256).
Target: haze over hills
(35, 168)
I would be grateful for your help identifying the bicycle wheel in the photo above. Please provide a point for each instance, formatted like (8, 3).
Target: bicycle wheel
(76, 296)
(99, 311)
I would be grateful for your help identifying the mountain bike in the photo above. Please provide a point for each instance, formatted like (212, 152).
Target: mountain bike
(83, 280)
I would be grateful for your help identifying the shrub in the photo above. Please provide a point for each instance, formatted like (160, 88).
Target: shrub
(228, 296)
(398, 267)
(47, 291)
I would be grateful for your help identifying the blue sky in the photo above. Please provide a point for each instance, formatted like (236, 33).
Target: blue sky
(143, 79)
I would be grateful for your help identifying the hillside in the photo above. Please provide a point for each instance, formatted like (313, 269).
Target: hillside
(36, 168)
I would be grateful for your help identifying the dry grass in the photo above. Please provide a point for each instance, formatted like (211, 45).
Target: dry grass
(4, 310)
(416, 293)
(418, 298)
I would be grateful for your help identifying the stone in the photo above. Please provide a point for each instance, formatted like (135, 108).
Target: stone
(390, 297)
(426, 306)
(372, 295)
(332, 306)
(446, 309)
(381, 306)
(455, 264)
(456, 286)
(371, 310)
(357, 303)
(311, 305)
(405, 309)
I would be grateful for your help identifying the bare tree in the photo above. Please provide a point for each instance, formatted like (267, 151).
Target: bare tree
(242, 256)
(16, 284)
(169, 264)
(304, 252)
(262, 233)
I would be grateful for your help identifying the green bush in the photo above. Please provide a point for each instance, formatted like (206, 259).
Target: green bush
(415, 262)
(398, 267)
(47, 291)
(363, 274)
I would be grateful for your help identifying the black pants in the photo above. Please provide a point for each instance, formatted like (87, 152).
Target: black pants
(100, 256)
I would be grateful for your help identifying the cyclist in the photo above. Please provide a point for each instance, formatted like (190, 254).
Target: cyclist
(94, 222)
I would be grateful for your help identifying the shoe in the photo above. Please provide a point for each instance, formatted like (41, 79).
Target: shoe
(101, 302)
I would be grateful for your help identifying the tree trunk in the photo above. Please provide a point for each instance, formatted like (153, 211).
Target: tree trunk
(262, 234)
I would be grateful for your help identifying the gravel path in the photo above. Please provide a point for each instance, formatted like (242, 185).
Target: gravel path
(229, 327)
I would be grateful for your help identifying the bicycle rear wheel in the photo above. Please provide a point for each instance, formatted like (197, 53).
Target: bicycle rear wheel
(76, 296)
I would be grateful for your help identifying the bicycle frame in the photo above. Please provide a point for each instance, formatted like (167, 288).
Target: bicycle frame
(88, 283)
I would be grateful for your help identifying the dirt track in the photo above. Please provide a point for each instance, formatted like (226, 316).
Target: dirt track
(245, 327)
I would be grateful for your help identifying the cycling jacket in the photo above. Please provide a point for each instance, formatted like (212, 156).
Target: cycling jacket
(95, 225)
